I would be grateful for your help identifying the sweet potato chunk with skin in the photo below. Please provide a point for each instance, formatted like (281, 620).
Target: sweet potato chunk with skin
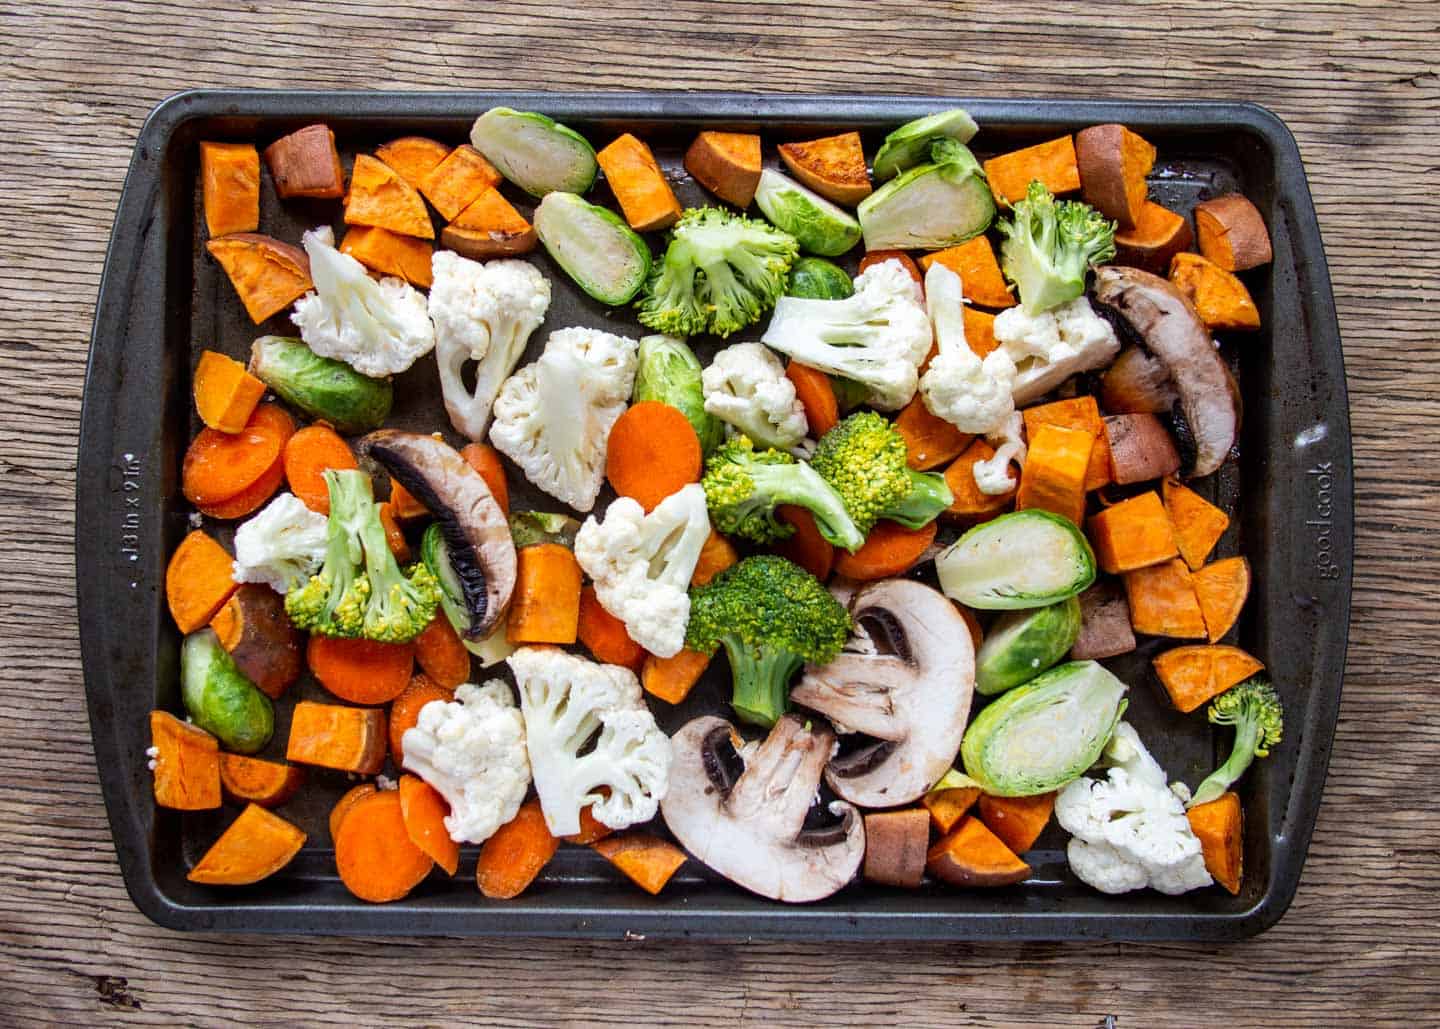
(646, 860)
(946, 807)
(1132, 534)
(1158, 235)
(1194, 674)
(727, 164)
(1163, 602)
(381, 198)
(456, 182)
(1220, 298)
(306, 164)
(268, 274)
(895, 846)
(255, 629)
(1221, 588)
(489, 227)
(252, 780)
(230, 187)
(389, 253)
(972, 855)
(348, 739)
(980, 278)
(833, 166)
(1220, 827)
(413, 157)
(1140, 448)
(1232, 233)
(1052, 162)
(257, 844)
(186, 764)
(1104, 623)
(1113, 163)
(1197, 523)
(1017, 821)
(639, 185)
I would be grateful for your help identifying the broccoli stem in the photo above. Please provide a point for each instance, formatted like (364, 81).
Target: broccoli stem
(761, 681)
(1242, 753)
(803, 486)
(929, 495)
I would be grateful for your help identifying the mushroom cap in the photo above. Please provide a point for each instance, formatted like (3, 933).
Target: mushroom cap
(476, 531)
(913, 695)
(1175, 334)
(751, 828)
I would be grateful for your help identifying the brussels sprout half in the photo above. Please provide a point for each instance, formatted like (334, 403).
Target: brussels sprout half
(604, 256)
(1022, 644)
(909, 145)
(1023, 559)
(669, 372)
(536, 153)
(930, 206)
(817, 225)
(320, 386)
(219, 699)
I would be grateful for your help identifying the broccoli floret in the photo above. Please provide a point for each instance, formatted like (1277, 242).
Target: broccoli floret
(1253, 708)
(744, 486)
(720, 273)
(1049, 245)
(772, 617)
(864, 459)
(378, 602)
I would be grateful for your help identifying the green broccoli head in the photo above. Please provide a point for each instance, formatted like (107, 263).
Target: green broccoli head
(720, 273)
(771, 616)
(360, 591)
(864, 459)
(744, 486)
(1049, 245)
(1254, 709)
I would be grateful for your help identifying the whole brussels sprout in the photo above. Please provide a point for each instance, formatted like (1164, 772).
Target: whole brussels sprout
(321, 387)
(814, 278)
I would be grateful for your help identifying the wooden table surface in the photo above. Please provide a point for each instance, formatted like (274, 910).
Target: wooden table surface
(1358, 84)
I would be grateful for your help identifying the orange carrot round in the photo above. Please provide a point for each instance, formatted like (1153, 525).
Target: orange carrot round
(652, 452)
(347, 800)
(817, 396)
(309, 454)
(394, 535)
(891, 549)
(374, 854)
(361, 671)
(512, 858)
(485, 459)
(218, 465)
(405, 711)
(424, 811)
(875, 257)
(806, 547)
(591, 828)
(249, 499)
(441, 654)
(604, 635)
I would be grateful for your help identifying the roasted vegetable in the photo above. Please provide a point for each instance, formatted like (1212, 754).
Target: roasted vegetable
(325, 389)
(818, 226)
(1022, 644)
(669, 372)
(1253, 708)
(1020, 560)
(537, 154)
(865, 461)
(602, 254)
(909, 145)
(930, 206)
(1049, 245)
(834, 166)
(744, 486)
(218, 697)
(814, 278)
(727, 164)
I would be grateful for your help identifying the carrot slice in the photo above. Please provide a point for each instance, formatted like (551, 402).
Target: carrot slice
(929, 441)
(311, 452)
(512, 858)
(591, 828)
(1221, 587)
(374, 854)
(405, 711)
(256, 781)
(646, 860)
(249, 499)
(441, 654)
(604, 635)
(653, 452)
(361, 671)
(485, 459)
(806, 547)
(424, 811)
(816, 395)
(1194, 674)
(891, 549)
(257, 844)
(348, 800)
(218, 465)
(197, 581)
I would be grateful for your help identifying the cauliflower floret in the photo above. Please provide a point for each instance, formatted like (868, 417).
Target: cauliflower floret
(377, 328)
(472, 750)
(992, 476)
(971, 394)
(878, 337)
(483, 313)
(746, 386)
(282, 545)
(1050, 347)
(641, 564)
(569, 701)
(1130, 829)
(553, 417)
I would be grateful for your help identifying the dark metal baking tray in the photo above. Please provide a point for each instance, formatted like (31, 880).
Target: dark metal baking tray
(162, 301)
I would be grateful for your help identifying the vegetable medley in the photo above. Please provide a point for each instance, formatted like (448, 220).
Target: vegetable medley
(967, 474)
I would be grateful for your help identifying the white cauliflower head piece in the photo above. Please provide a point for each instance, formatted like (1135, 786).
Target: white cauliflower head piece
(641, 564)
(472, 750)
(746, 386)
(992, 475)
(282, 545)
(553, 417)
(568, 702)
(1049, 347)
(970, 393)
(1130, 829)
(483, 313)
(377, 328)
(878, 337)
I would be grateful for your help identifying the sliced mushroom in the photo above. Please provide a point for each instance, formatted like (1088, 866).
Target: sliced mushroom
(1174, 333)
(477, 535)
(906, 679)
(750, 827)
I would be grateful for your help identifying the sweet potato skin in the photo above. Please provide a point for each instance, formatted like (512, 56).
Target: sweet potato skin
(833, 166)
(727, 164)
(268, 274)
(1104, 623)
(306, 164)
(895, 846)
(1232, 233)
(1141, 449)
(1113, 163)
(255, 629)
(1157, 236)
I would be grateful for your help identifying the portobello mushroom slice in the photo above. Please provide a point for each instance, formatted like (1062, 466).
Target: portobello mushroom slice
(750, 825)
(476, 533)
(1174, 334)
(906, 679)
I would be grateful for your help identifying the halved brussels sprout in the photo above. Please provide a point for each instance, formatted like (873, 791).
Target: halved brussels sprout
(219, 699)
(669, 372)
(814, 278)
(1023, 559)
(527, 528)
(604, 256)
(908, 145)
(1046, 733)
(320, 386)
(930, 206)
(1022, 644)
(536, 153)
(817, 225)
